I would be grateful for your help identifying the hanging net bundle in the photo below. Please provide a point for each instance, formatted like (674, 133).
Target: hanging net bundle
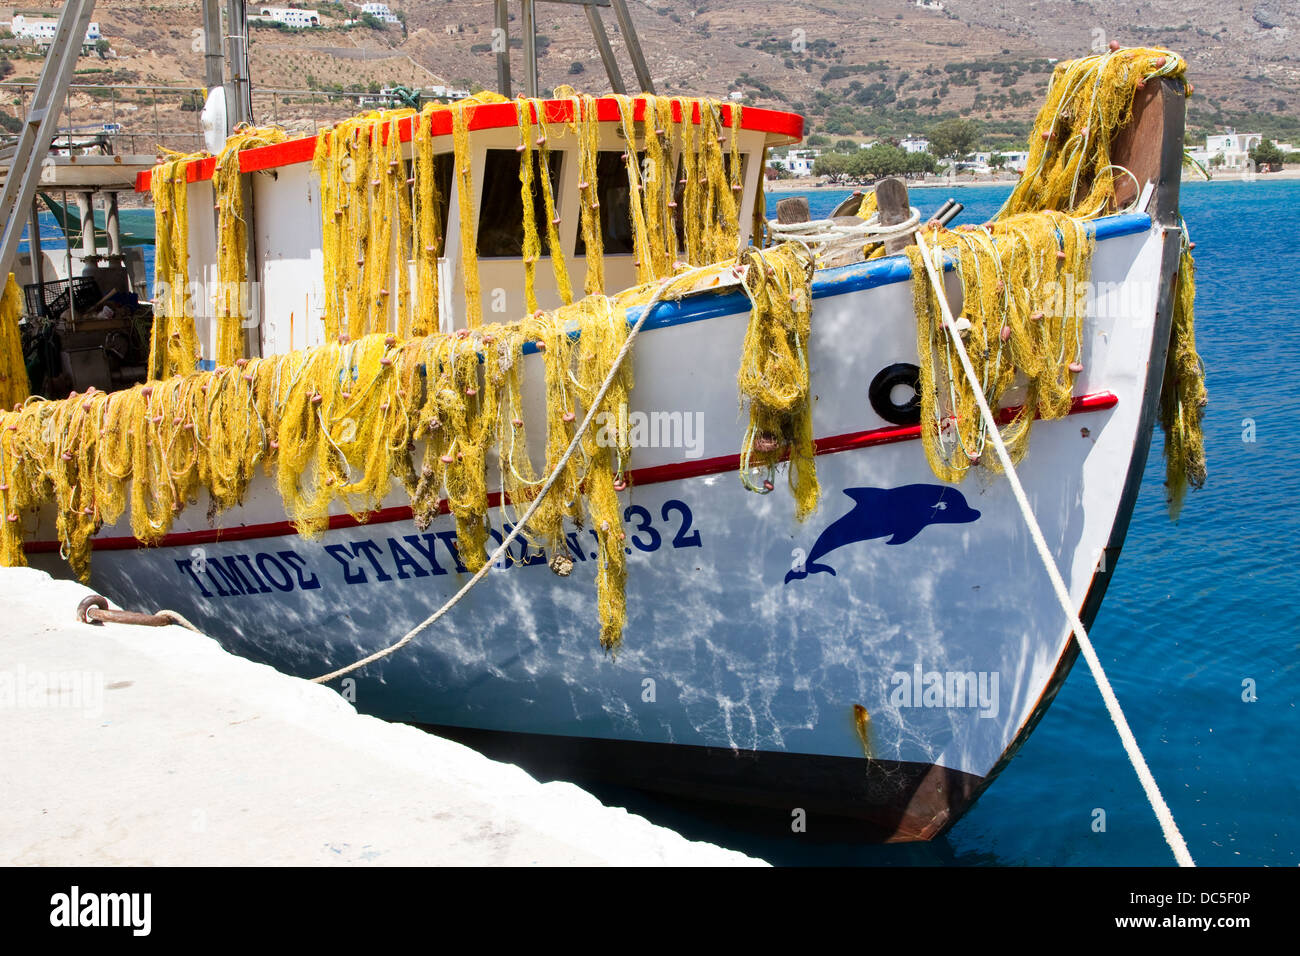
(774, 379)
(233, 292)
(1018, 274)
(1022, 279)
(173, 343)
(682, 172)
(14, 386)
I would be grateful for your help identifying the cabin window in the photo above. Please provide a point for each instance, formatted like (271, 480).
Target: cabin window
(615, 214)
(442, 167)
(501, 211)
(680, 191)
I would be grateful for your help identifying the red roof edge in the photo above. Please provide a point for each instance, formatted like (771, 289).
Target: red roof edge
(484, 116)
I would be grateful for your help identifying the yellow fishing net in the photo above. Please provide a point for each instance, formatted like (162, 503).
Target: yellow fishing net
(1183, 397)
(774, 378)
(13, 366)
(1022, 280)
(682, 172)
(173, 346)
(1023, 276)
(338, 424)
(173, 343)
(1089, 100)
(233, 293)
(390, 399)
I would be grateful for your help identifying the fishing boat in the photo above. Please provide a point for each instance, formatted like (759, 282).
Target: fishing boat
(874, 648)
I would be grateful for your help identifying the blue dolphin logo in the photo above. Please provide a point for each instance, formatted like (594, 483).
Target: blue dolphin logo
(897, 513)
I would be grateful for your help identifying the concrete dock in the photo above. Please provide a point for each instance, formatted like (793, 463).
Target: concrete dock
(128, 745)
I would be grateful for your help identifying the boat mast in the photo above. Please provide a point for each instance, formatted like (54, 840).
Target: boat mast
(42, 119)
(528, 26)
(239, 94)
(214, 64)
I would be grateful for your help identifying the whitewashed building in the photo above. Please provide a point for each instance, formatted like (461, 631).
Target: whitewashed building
(915, 144)
(380, 11)
(1234, 147)
(42, 30)
(799, 162)
(1015, 161)
(446, 93)
(292, 17)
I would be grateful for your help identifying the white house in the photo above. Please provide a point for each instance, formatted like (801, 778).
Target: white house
(800, 161)
(292, 17)
(42, 30)
(915, 144)
(446, 93)
(1233, 146)
(1017, 160)
(380, 11)
(1014, 161)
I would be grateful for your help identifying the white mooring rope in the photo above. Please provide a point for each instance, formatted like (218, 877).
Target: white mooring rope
(1172, 836)
(826, 237)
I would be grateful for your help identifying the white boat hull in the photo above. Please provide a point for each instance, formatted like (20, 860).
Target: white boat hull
(741, 677)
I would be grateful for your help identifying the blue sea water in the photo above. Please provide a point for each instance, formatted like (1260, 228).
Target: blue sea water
(54, 246)
(1195, 609)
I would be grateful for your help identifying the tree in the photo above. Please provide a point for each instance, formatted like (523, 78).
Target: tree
(818, 139)
(997, 160)
(953, 137)
(102, 48)
(575, 68)
(834, 165)
(845, 146)
(879, 161)
(920, 164)
(1267, 154)
(1217, 160)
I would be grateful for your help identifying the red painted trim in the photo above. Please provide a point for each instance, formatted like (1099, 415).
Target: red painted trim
(486, 116)
(655, 474)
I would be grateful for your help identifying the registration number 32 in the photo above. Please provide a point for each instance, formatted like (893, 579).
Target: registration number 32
(674, 514)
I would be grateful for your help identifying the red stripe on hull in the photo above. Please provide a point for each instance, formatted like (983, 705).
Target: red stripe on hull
(655, 474)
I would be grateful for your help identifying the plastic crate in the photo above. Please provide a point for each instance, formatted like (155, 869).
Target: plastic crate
(85, 293)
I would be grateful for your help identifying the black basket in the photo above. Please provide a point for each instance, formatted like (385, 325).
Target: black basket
(85, 293)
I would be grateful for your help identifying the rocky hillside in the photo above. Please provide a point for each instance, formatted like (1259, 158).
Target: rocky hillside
(885, 68)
